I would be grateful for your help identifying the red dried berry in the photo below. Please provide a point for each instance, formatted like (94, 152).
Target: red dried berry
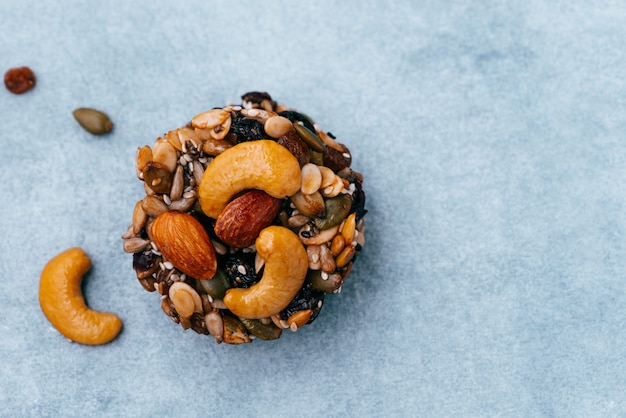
(19, 80)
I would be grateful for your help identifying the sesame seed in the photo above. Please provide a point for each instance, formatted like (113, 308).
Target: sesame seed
(346, 155)
(241, 269)
(293, 327)
(168, 265)
(167, 200)
(324, 275)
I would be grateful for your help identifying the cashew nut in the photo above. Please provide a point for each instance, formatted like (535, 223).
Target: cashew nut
(263, 165)
(286, 265)
(62, 301)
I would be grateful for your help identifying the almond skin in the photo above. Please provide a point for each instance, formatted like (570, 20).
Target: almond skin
(242, 219)
(182, 240)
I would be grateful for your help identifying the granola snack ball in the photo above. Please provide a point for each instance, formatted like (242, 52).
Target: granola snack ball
(252, 214)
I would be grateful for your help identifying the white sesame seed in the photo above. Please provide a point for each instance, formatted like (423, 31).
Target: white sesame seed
(161, 265)
(167, 200)
(210, 298)
(324, 275)
(241, 269)
(346, 155)
(168, 265)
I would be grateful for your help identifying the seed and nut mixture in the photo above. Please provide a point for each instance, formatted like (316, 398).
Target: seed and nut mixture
(252, 215)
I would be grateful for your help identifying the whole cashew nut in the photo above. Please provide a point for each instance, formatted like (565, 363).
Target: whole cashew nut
(286, 265)
(263, 165)
(62, 301)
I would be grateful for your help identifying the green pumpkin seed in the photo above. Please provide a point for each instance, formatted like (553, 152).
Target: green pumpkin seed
(324, 282)
(93, 121)
(311, 139)
(217, 286)
(337, 209)
(260, 330)
(317, 157)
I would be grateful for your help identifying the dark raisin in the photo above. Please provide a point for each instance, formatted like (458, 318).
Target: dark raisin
(144, 261)
(296, 146)
(337, 160)
(298, 117)
(240, 270)
(246, 129)
(19, 80)
(358, 197)
(307, 298)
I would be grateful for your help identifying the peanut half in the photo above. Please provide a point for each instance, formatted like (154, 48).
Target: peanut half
(286, 265)
(263, 165)
(62, 301)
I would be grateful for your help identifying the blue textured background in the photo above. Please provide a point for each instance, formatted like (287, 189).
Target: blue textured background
(491, 137)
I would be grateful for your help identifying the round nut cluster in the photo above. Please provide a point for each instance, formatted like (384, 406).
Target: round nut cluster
(252, 215)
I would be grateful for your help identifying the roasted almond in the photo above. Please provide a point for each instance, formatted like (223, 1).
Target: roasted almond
(244, 217)
(182, 240)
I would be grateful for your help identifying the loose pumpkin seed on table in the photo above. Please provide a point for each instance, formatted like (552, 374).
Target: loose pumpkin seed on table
(251, 216)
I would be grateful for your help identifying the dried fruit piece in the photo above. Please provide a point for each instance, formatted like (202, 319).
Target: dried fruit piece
(19, 80)
(337, 160)
(93, 121)
(183, 241)
(296, 146)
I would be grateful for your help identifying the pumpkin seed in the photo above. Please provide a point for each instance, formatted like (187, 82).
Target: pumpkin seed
(324, 282)
(311, 139)
(234, 331)
(93, 121)
(337, 209)
(260, 330)
(217, 286)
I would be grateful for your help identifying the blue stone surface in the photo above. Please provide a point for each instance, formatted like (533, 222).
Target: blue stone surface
(491, 136)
